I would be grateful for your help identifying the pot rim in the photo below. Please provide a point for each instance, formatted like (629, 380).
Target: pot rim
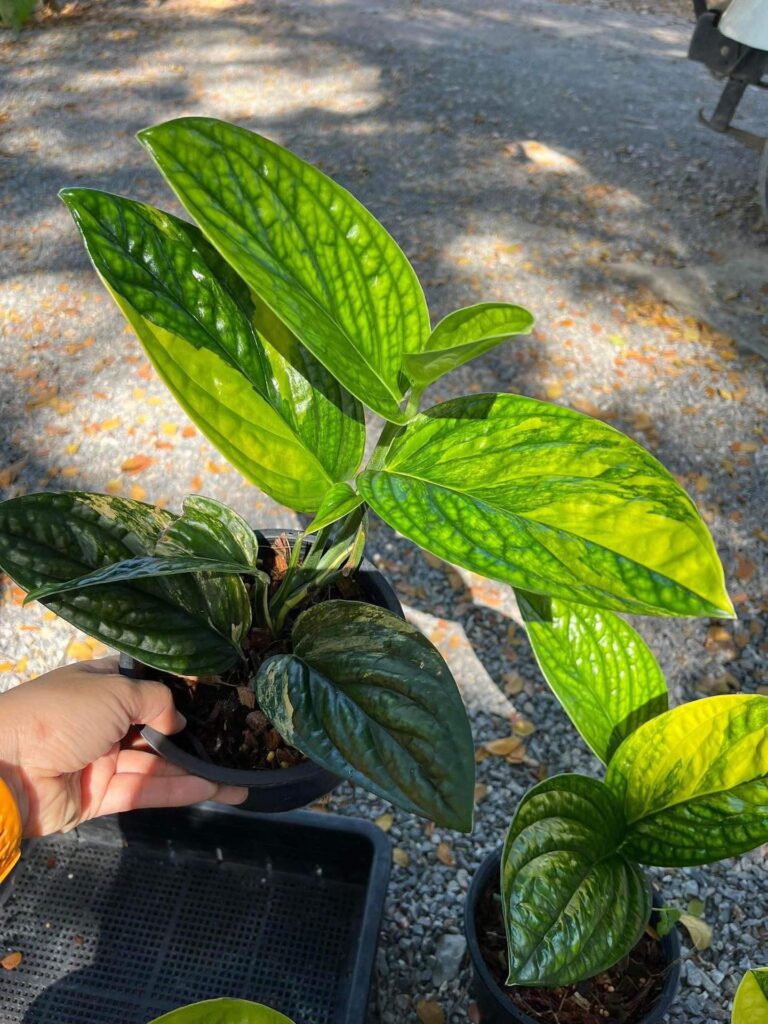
(259, 778)
(491, 864)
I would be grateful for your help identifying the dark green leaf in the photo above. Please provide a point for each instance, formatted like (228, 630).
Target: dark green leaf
(367, 696)
(223, 1011)
(166, 623)
(308, 248)
(272, 410)
(551, 501)
(600, 669)
(144, 567)
(464, 335)
(694, 782)
(210, 529)
(573, 905)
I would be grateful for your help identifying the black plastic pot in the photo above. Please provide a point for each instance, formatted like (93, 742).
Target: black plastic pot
(130, 916)
(495, 1007)
(269, 791)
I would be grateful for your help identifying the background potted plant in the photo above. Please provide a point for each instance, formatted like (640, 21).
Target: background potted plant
(685, 786)
(273, 322)
(750, 1005)
(223, 1011)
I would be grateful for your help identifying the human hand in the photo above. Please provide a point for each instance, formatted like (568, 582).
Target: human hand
(66, 753)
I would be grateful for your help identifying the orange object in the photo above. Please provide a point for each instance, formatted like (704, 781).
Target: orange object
(10, 831)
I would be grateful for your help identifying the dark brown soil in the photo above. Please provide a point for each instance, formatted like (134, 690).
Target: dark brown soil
(622, 995)
(224, 723)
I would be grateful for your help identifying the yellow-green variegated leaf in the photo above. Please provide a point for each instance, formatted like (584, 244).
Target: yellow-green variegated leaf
(177, 623)
(693, 782)
(368, 697)
(551, 501)
(464, 335)
(599, 668)
(338, 502)
(573, 903)
(751, 1003)
(305, 246)
(270, 408)
(223, 1011)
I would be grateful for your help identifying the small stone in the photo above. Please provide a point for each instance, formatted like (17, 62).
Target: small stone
(449, 953)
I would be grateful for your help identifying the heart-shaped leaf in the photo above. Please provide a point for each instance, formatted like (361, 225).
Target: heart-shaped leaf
(308, 248)
(464, 335)
(751, 1003)
(223, 1011)
(600, 669)
(551, 501)
(573, 905)
(209, 529)
(166, 623)
(694, 782)
(338, 502)
(272, 410)
(368, 697)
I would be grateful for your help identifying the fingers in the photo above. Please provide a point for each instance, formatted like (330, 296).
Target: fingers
(151, 703)
(145, 780)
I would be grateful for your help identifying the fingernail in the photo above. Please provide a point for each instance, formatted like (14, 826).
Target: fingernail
(232, 794)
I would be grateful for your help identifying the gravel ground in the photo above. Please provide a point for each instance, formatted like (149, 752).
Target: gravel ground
(525, 151)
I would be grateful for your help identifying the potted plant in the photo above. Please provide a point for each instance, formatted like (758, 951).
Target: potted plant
(273, 322)
(558, 920)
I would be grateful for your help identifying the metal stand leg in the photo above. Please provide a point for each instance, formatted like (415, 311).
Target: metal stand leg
(726, 108)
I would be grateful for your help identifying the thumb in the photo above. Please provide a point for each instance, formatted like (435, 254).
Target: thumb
(151, 703)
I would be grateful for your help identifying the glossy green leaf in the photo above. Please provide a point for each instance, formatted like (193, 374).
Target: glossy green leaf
(272, 410)
(305, 246)
(551, 501)
(751, 1003)
(464, 335)
(694, 782)
(144, 567)
(223, 1011)
(600, 669)
(367, 696)
(209, 529)
(338, 502)
(167, 623)
(573, 905)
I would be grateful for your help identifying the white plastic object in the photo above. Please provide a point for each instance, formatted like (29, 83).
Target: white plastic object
(746, 21)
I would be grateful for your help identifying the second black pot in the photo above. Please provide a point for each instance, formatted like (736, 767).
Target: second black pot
(269, 791)
(496, 1007)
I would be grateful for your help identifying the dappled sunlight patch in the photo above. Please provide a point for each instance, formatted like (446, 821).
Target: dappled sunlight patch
(478, 688)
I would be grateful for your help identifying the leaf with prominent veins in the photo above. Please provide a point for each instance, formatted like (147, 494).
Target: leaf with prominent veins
(174, 623)
(551, 501)
(367, 696)
(306, 247)
(599, 668)
(693, 782)
(271, 409)
(573, 904)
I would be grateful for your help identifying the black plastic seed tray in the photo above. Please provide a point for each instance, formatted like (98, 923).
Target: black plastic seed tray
(129, 917)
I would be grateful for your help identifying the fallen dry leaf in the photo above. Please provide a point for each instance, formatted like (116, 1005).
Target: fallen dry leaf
(430, 1012)
(12, 961)
(384, 822)
(481, 791)
(400, 857)
(11, 471)
(503, 747)
(445, 854)
(523, 727)
(699, 931)
(136, 464)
